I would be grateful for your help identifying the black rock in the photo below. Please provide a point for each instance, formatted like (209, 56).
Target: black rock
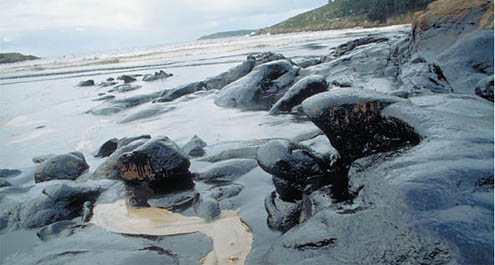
(125, 88)
(484, 88)
(352, 122)
(152, 111)
(4, 183)
(282, 215)
(259, 89)
(47, 202)
(127, 78)
(248, 152)
(159, 164)
(87, 83)
(226, 171)
(351, 45)
(301, 90)
(104, 98)
(127, 140)
(107, 83)
(68, 166)
(206, 207)
(289, 160)
(265, 57)
(107, 148)
(195, 147)
(93, 245)
(6, 173)
(224, 191)
(233, 74)
(156, 76)
(173, 94)
(109, 168)
(42, 158)
(175, 201)
(294, 166)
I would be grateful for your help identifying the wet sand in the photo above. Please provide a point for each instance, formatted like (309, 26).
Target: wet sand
(231, 238)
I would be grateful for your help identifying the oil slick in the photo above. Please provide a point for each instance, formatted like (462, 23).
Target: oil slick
(232, 239)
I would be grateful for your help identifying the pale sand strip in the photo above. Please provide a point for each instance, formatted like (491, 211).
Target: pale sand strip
(231, 238)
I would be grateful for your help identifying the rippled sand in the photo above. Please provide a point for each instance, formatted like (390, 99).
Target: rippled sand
(231, 237)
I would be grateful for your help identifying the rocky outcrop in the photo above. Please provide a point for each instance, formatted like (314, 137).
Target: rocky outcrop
(89, 82)
(46, 203)
(68, 166)
(173, 94)
(6, 173)
(123, 88)
(301, 90)
(233, 74)
(351, 45)
(352, 122)
(409, 199)
(260, 89)
(457, 36)
(127, 78)
(156, 76)
(159, 163)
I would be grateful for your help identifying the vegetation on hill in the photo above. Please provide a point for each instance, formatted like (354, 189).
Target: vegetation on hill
(13, 57)
(227, 34)
(351, 13)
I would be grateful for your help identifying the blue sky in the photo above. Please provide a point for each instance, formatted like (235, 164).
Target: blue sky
(66, 27)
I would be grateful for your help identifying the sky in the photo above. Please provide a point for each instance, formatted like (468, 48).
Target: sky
(67, 27)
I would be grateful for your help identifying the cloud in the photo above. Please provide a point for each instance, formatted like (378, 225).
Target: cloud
(124, 23)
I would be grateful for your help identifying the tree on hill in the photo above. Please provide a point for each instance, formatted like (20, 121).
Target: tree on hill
(380, 9)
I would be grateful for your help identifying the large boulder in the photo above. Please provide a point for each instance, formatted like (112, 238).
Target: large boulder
(259, 89)
(293, 167)
(195, 147)
(484, 88)
(428, 204)
(351, 120)
(457, 36)
(297, 93)
(158, 163)
(67, 166)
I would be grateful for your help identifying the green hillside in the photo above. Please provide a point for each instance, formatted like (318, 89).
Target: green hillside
(349, 14)
(227, 34)
(15, 57)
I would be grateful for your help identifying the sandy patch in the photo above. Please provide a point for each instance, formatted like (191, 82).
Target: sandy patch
(231, 237)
